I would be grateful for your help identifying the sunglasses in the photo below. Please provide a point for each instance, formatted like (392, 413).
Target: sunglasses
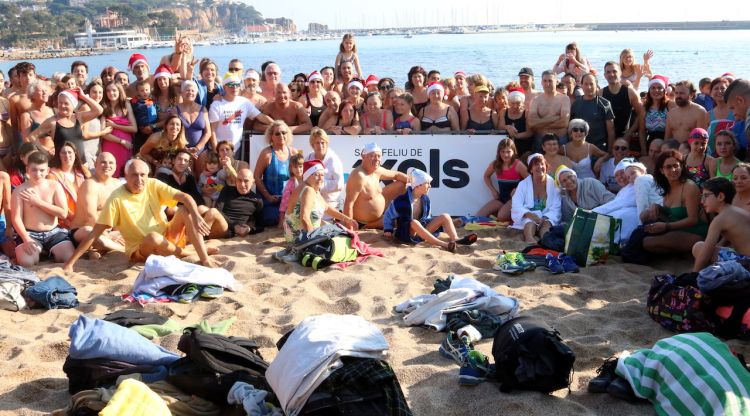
(385, 87)
(232, 85)
(280, 133)
(235, 69)
(620, 147)
(578, 130)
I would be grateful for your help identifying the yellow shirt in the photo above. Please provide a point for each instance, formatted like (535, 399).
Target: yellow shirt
(136, 215)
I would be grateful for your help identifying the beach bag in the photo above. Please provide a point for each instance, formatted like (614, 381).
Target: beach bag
(100, 372)
(328, 251)
(10, 296)
(531, 356)
(53, 293)
(592, 237)
(362, 387)
(677, 304)
(213, 363)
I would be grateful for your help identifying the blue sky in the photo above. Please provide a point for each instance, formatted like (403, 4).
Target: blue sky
(401, 13)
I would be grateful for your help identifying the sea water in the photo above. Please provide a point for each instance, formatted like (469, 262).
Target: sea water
(679, 55)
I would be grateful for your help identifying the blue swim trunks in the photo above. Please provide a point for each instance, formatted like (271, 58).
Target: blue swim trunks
(3, 227)
(728, 254)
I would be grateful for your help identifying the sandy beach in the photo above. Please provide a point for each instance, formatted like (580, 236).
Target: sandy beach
(599, 312)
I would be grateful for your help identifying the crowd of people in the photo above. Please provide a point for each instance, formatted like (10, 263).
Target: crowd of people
(176, 137)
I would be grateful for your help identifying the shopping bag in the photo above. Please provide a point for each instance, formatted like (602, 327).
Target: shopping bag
(592, 237)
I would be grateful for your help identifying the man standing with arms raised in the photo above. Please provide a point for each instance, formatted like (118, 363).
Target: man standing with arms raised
(365, 199)
(549, 112)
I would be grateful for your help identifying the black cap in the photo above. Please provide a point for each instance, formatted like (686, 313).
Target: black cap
(526, 71)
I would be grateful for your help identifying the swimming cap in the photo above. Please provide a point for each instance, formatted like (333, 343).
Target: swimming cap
(417, 177)
(371, 147)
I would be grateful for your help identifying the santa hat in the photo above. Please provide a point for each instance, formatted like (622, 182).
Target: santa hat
(659, 79)
(315, 75)
(71, 95)
(370, 148)
(516, 93)
(355, 83)
(372, 80)
(560, 170)
(460, 73)
(435, 86)
(417, 177)
(136, 59)
(310, 167)
(163, 71)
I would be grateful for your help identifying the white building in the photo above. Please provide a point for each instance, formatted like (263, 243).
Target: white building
(121, 39)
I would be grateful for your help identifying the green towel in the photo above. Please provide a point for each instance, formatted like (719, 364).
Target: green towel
(156, 331)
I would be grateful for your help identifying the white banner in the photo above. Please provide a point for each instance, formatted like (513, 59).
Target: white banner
(455, 162)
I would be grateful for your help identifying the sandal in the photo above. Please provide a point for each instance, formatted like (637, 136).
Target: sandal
(451, 246)
(468, 240)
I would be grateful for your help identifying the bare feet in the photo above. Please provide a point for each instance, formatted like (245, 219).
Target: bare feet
(212, 250)
(210, 263)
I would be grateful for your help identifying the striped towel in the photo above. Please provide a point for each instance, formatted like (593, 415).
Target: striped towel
(689, 374)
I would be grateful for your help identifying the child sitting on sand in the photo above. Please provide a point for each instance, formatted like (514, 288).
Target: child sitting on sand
(409, 219)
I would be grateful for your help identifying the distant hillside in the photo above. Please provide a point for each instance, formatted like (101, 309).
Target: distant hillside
(59, 20)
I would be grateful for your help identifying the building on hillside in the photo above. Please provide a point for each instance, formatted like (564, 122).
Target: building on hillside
(78, 3)
(281, 25)
(110, 20)
(317, 28)
(255, 30)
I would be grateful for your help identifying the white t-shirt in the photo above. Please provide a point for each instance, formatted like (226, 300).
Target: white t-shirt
(231, 115)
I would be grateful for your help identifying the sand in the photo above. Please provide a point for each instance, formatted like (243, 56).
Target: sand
(599, 312)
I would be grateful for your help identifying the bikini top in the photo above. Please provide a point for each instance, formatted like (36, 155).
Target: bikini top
(440, 122)
(403, 124)
(583, 166)
(487, 125)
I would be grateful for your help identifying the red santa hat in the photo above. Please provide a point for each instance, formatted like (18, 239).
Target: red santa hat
(460, 74)
(659, 79)
(310, 167)
(435, 86)
(315, 75)
(136, 59)
(372, 80)
(163, 71)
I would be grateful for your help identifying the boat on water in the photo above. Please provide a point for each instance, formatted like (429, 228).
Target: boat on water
(116, 39)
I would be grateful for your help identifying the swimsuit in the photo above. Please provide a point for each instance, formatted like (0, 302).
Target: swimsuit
(487, 125)
(315, 112)
(293, 222)
(583, 166)
(680, 213)
(507, 181)
(382, 122)
(656, 123)
(729, 176)
(403, 124)
(47, 240)
(274, 179)
(194, 130)
(522, 145)
(440, 122)
(69, 134)
(699, 174)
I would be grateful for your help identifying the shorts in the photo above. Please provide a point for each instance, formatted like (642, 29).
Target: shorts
(176, 237)
(3, 228)
(48, 239)
(728, 254)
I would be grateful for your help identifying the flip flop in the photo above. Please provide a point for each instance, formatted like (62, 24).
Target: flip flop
(468, 240)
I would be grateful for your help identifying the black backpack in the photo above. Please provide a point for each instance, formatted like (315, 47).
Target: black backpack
(362, 387)
(530, 356)
(214, 363)
(99, 372)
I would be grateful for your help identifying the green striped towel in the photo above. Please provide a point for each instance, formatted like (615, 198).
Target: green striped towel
(689, 374)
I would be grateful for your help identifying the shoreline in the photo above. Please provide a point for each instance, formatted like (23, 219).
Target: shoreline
(30, 54)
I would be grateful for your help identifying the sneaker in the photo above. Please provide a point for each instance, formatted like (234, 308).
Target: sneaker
(605, 374)
(286, 255)
(505, 262)
(569, 265)
(456, 349)
(553, 265)
(211, 291)
(476, 371)
(521, 261)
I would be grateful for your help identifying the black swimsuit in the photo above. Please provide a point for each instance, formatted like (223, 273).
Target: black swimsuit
(315, 112)
(487, 125)
(441, 122)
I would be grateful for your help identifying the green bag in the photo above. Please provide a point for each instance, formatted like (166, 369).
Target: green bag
(592, 237)
(328, 251)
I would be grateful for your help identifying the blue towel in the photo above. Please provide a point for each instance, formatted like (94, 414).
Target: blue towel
(95, 338)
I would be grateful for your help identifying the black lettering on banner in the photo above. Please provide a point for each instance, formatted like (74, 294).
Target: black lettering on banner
(452, 169)
(435, 165)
